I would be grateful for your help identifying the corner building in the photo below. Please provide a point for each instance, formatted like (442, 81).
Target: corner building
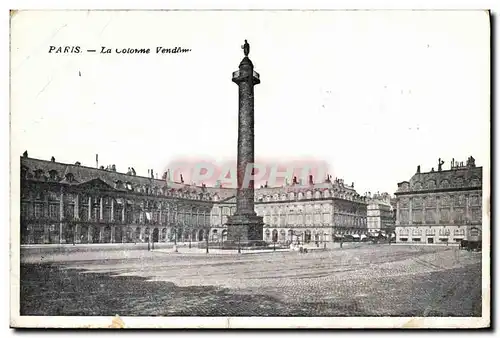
(440, 206)
(380, 213)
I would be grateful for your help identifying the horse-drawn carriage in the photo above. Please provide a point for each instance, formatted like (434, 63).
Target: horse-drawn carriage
(472, 240)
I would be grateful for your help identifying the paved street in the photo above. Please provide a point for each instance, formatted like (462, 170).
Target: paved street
(368, 280)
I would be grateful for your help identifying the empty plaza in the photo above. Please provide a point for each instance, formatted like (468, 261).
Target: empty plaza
(357, 280)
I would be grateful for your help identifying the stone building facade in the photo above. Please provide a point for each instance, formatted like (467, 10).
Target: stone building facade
(71, 203)
(66, 203)
(312, 213)
(441, 206)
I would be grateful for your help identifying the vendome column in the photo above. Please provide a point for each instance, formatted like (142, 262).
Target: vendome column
(245, 225)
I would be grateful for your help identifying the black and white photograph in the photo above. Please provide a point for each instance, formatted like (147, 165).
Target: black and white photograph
(250, 169)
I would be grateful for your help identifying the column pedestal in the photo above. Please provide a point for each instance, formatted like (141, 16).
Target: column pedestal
(245, 230)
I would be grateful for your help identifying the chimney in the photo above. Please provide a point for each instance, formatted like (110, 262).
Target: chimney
(25, 154)
(311, 179)
(52, 159)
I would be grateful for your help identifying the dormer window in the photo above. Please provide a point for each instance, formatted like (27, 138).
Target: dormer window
(24, 172)
(53, 174)
(69, 177)
(129, 186)
(38, 173)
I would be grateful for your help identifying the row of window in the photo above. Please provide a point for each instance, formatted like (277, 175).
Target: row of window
(53, 212)
(443, 216)
(457, 182)
(441, 201)
(431, 232)
(350, 196)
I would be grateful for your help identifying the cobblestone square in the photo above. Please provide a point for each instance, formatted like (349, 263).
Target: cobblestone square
(365, 280)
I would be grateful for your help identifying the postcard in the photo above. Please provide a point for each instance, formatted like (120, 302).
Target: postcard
(250, 169)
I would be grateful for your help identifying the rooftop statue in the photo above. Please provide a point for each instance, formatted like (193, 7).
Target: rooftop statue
(471, 162)
(440, 164)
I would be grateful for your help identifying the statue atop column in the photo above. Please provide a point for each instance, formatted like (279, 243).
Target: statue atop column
(246, 48)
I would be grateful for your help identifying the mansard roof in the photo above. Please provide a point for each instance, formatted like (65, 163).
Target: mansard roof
(75, 174)
(461, 177)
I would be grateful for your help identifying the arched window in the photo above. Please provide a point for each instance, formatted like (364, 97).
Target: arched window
(53, 175)
(275, 235)
(69, 177)
(459, 181)
(268, 235)
(445, 184)
(38, 173)
(24, 171)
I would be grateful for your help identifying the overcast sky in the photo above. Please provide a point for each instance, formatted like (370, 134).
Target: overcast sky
(372, 93)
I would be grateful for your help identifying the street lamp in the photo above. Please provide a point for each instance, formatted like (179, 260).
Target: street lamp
(175, 237)
(206, 236)
(174, 222)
